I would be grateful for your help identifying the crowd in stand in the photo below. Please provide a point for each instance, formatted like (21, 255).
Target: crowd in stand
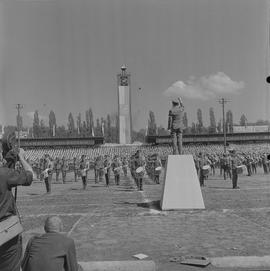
(162, 150)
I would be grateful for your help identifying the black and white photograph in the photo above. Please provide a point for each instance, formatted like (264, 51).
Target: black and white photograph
(134, 135)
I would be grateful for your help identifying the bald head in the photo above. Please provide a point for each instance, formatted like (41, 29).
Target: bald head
(53, 224)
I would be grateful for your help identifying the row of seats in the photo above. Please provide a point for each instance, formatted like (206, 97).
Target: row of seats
(128, 150)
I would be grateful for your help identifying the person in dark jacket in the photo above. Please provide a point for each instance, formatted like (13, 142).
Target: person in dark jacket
(11, 251)
(52, 251)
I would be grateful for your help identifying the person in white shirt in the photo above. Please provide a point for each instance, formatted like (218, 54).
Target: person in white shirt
(47, 180)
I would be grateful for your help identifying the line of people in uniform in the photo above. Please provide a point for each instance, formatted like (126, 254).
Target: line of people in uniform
(230, 165)
(139, 166)
(103, 166)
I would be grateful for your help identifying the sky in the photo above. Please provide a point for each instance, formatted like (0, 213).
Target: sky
(64, 55)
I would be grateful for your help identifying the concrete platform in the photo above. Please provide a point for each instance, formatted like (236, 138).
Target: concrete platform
(241, 261)
(119, 266)
(181, 189)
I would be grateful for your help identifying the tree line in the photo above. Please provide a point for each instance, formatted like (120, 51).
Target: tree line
(77, 126)
(199, 127)
(87, 126)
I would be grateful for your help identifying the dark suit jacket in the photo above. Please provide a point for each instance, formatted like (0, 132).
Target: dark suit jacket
(50, 252)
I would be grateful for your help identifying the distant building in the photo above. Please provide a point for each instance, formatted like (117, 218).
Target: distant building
(23, 134)
(250, 129)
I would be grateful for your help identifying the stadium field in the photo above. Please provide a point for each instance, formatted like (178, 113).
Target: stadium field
(117, 222)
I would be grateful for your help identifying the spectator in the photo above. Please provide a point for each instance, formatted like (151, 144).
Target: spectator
(52, 251)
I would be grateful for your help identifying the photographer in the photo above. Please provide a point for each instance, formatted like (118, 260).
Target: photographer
(11, 250)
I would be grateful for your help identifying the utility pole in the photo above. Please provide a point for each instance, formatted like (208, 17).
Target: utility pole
(19, 107)
(222, 101)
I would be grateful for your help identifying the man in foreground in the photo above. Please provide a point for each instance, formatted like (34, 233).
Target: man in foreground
(52, 251)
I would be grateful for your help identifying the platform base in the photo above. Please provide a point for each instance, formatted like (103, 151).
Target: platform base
(181, 188)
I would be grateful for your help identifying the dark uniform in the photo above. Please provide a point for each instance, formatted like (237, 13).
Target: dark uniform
(47, 180)
(50, 166)
(107, 169)
(133, 169)
(64, 169)
(116, 165)
(175, 125)
(227, 166)
(99, 168)
(248, 165)
(254, 162)
(212, 160)
(84, 167)
(57, 168)
(202, 175)
(76, 168)
(125, 165)
(139, 162)
(221, 164)
(264, 163)
(157, 163)
(234, 162)
(42, 167)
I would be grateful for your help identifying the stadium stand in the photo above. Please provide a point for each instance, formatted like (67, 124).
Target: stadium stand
(127, 150)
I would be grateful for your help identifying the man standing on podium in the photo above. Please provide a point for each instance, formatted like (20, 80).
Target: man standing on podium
(175, 124)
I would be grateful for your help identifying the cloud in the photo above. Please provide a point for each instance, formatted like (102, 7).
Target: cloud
(205, 88)
(31, 116)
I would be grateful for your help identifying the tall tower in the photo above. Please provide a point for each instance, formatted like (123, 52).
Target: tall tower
(124, 106)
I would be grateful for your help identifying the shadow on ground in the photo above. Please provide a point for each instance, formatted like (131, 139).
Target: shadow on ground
(219, 188)
(148, 205)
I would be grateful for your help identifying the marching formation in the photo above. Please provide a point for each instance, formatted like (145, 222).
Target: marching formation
(103, 166)
(149, 161)
(230, 165)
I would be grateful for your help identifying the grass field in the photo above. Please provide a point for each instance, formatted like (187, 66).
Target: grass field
(117, 222)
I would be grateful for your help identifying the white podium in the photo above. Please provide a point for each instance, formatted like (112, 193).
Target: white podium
(181, 188)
